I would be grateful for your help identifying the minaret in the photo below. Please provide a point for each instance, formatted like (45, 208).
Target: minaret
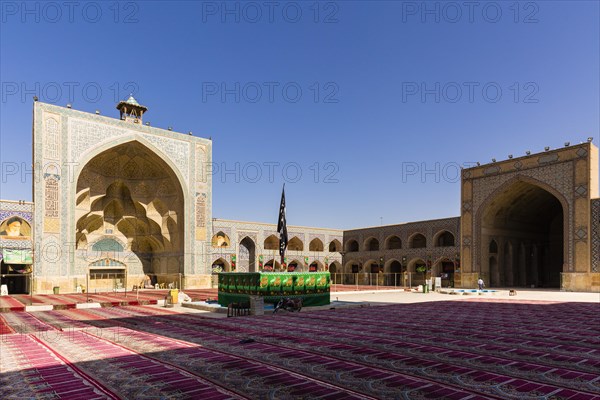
(131, 110)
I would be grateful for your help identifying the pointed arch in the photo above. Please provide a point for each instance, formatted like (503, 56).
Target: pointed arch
(315, 245)
(295, 244)
(220, 265)
(371, 266)
(351, 246)
(414, 263)
(115, 142)
(394, 272)
(351, 269)
(247, 255)
(443, 238)
(393, 242)
(271, 243)
(371, 244)
(525, 207)
(272, 265)
(295, 266)
(335, 246)
(417, 278)
(109, 203)
(316, 266)
(335, 267)
(337, 273)
(392, 265)
(417, 241)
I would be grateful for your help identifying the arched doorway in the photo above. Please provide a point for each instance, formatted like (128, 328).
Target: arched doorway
(416, 277)
(15, 284)
(17, 263)
(129, 194)
(108, 272)
(494, 276)
(220, 265)
(335, 268)
(530, 221)
(444, 268)
(351, 270)
(371, 267)
(394, 276)
(295, 266)
(493, 263)
(372, 273)
(272, 265)
(247, 256)
(315, 266)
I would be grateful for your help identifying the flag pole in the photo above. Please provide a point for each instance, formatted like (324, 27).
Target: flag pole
(282, 227)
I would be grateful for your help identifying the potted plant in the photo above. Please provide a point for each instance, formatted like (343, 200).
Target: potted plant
(423, 269)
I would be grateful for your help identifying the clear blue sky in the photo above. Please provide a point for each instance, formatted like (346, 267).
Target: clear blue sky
(373, 129)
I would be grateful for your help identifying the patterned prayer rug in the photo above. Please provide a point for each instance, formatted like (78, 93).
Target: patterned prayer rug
(472, 349)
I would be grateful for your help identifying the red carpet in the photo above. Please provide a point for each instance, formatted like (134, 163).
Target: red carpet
(18, 302)
(471, 349)
(5, 327)
(30, 370)
(8, 303)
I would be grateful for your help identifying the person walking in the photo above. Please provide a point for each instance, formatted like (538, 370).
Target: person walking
(480, 284)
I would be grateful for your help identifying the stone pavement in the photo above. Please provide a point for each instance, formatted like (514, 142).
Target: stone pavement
(385, 297)
(398, 296)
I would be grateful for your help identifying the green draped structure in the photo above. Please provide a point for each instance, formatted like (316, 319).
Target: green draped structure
(312, 287)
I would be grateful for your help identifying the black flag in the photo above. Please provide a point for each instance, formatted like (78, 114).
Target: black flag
(282, 226)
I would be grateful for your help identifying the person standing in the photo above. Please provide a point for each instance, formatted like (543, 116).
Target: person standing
(147, 284)
(480, 284)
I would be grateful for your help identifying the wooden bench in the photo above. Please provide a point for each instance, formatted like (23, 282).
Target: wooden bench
(238, 309)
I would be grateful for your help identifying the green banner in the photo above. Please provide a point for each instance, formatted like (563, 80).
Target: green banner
(274, 285)
(17, 256)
